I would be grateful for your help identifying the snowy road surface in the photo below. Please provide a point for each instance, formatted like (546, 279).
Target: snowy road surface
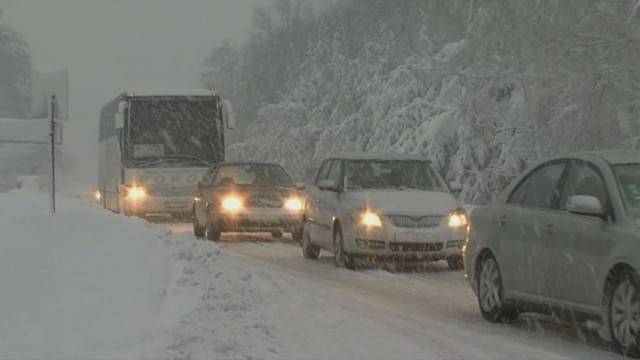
(431, 308)
(88, 284)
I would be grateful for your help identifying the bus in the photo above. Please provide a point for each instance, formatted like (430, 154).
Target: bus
(154, 147)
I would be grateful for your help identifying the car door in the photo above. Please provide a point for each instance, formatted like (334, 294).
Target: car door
(329, 201)
(581, 242)
(203, 195)
(522, 227)
(313, 195)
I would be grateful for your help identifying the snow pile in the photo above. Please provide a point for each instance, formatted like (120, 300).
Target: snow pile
(77, 283)
(87, 284)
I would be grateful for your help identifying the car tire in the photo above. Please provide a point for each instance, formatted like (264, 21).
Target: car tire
(491, 293)
(198, 231)
(276, 234)
(309, 251)
(455, 262)
(624, 313)
(340, 257)
(212, 232)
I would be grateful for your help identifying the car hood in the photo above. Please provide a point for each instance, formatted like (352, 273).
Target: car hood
(404, 202)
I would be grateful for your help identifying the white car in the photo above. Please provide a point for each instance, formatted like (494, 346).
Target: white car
(382, 206)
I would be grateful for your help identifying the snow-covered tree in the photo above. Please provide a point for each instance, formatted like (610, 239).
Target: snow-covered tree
(15, 73)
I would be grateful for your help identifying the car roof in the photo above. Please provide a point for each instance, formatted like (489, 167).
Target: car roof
(249, 163)
(611, 156)
(376, 156)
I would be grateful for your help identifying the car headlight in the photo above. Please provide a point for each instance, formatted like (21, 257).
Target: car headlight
(366, 218)
(97, 195)
(232, 203)
(136, 193)
(293, 204)
(457, 219)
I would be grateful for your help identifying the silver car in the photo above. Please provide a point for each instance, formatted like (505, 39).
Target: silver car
(563, 239)
(382, 206)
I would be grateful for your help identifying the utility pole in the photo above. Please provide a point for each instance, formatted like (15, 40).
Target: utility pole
(53, 155)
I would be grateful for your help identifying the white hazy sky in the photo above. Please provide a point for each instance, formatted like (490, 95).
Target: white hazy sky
(109, 46)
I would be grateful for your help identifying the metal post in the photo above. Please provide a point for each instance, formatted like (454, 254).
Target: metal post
(53, 156)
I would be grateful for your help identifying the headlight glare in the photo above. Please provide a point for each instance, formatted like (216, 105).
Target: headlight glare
(370, 219)
(136, 193)
(457, 219)
(293, 204)
(232, 203)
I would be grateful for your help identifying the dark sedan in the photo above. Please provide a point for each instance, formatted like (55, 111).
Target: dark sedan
(247, 197)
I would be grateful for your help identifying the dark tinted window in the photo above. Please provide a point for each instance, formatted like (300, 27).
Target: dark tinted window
(628, 176)
(540, 188)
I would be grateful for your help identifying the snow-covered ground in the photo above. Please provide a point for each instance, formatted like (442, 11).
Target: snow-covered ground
(84, 283)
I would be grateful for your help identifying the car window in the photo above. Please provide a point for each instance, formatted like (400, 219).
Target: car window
(540, 187)
(584, 179)
(335, 173)
(324, 171)
(253, 174)
(392, 174)
(628, 176)
(207, 178)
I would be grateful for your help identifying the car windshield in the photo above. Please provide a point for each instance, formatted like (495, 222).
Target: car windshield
(253, 174)
(628, 176)
(392, 174)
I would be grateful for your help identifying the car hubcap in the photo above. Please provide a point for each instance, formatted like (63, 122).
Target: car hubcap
(489, 286)
(625, 314)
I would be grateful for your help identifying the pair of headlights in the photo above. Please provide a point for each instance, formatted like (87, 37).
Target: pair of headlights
(371, 219)
(235, 203)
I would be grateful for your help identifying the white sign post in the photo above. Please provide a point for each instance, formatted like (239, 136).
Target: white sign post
(50, 95)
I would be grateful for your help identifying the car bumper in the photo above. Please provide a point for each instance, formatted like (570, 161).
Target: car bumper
(159, 205)
(394, 243)
(260, 220)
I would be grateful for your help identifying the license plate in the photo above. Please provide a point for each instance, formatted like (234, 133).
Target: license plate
(176, 205)
(417, 237)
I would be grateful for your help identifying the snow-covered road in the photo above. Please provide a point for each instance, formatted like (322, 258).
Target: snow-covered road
(432, 308)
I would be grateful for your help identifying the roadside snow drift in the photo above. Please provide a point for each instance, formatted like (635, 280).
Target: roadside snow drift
(88, 284)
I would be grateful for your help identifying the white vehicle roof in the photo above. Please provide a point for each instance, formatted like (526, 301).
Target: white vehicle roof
(610, 156)
(171, 92)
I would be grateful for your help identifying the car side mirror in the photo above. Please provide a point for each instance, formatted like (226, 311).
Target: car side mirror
(585, 205)
(327, 185)
(300, 186)
(455, 186)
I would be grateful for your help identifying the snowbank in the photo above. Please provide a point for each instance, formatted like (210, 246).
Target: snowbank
(87, 284)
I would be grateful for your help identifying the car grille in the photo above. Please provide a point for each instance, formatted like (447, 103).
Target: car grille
(160, 190)
(268, 202)
(410, 222)
(411, 246)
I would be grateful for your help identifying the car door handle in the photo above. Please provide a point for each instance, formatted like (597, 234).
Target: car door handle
(503, 220)
(548, 229)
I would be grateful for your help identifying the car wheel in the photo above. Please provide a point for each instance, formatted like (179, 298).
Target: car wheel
(455, 262)
(624, 313)
(341, 258)
(276, 234)
(309, 251)
(212, 232)
(491, 293)
(198, 231)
